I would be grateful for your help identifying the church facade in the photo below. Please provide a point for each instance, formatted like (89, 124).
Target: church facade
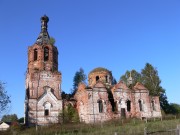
(100, 100)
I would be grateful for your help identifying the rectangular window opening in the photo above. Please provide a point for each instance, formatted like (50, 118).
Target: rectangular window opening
(46, 112)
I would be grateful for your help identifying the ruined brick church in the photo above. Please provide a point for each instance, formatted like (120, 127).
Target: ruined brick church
(100, 100)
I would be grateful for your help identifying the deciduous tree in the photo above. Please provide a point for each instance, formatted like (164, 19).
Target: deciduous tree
(21, 120)
(10, 118)
(151, 80)
(175, 108)
(70, 114)
(136, 77)
(4, 98)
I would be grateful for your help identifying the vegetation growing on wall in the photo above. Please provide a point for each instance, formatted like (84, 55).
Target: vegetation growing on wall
(70, 114)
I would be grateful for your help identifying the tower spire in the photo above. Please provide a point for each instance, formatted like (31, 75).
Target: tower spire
(43, 37)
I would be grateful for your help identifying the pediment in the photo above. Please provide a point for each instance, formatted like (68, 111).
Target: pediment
(121, 85)
(48, 96)
(139, 86)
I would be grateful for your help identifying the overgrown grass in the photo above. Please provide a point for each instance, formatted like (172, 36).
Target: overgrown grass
(121, 127)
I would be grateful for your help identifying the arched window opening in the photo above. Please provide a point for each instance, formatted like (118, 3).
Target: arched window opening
(128, 105)
(46, 112)
(100, 105)
(46, 54)
(47, 107)
(140, 105)
(106, 78)
(153, 106)
(116, 106)
(97, 78)
(35, 54)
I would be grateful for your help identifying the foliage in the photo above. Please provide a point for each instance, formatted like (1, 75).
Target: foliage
(21, 120)
(148, 77)
(52, 41)
(175, 108)
(70, 114)
(78, 77)
(10, 118)
(4, 98)
(135, 76)
(168, 108)
(66, 96)
(113, 81)
(164, 103)
(151, 80)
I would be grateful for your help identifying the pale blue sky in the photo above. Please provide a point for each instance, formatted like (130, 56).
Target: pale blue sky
(119, 35)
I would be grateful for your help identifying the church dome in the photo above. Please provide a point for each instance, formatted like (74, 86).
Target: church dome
(99, 69)
(99, 74)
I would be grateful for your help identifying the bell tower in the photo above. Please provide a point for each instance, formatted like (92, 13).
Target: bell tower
(43, 55)
(43, 80)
